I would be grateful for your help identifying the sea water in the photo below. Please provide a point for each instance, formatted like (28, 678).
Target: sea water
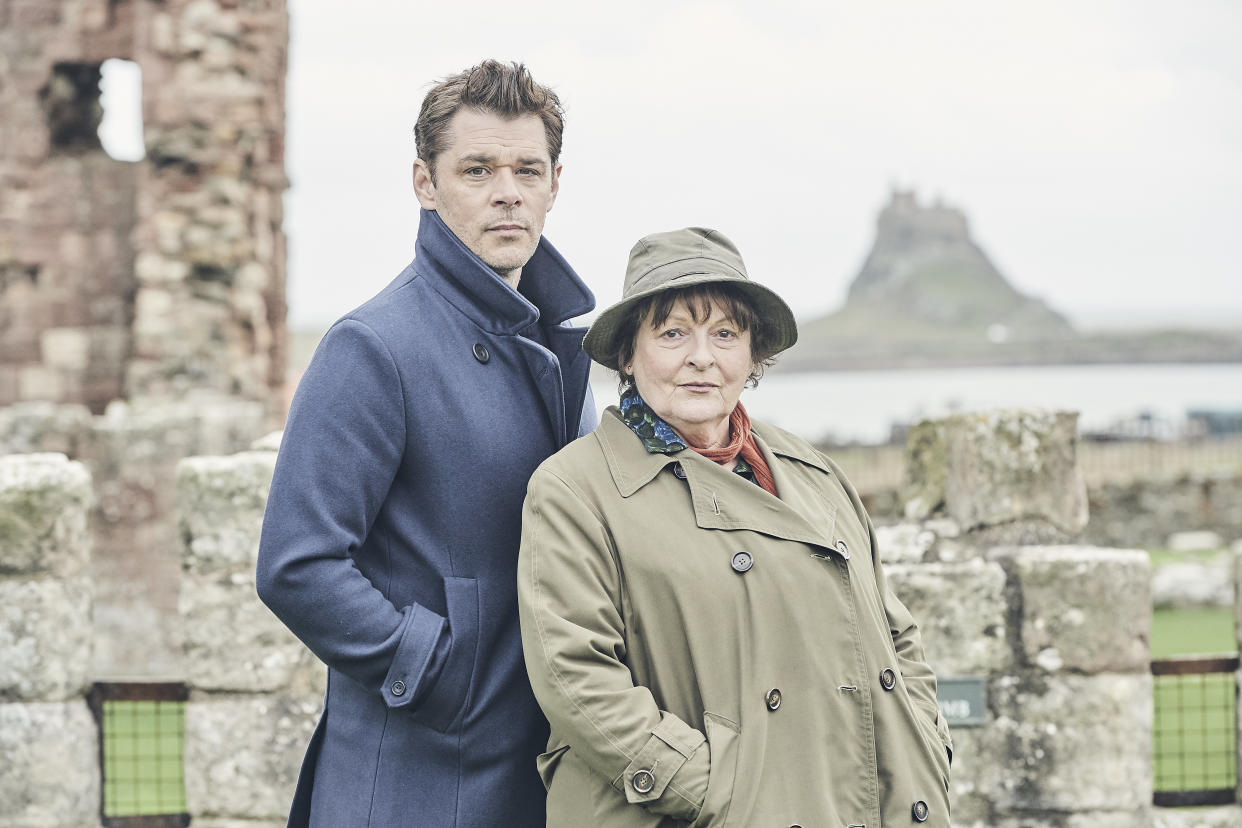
(863, 406)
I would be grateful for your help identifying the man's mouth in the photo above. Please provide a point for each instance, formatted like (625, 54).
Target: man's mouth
(507, 227)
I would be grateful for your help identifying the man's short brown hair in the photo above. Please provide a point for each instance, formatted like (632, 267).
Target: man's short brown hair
(508, 90)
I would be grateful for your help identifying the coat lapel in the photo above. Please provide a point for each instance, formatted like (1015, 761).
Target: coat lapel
(724, 500)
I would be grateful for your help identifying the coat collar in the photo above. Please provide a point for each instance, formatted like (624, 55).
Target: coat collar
(551, 291)
(724, 500)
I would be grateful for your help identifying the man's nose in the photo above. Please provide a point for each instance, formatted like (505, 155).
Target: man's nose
(504, 188)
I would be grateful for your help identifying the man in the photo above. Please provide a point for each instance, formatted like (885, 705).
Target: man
(391, 535)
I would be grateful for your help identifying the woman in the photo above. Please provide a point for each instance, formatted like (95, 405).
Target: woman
(705, 620)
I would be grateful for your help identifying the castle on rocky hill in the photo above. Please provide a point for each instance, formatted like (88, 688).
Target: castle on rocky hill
(924, 269)
(927, 294)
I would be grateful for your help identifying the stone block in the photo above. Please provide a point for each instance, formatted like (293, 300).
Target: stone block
(1193, 583)
(961, 611)
(268, 442)
(32, 427)
(1225, 816)
(972, 777)
(221, 502)
(1236, 549)
(233, 642)
(904, 542)
(67, 349)
(1071, 743)
(242, 754)
(45, 638)
(49, 774)
(44, 500)
(1082, 608)
(991, 468)
(40, 383)
(1201, 540)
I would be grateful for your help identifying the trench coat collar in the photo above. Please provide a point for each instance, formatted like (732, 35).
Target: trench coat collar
(722, 499)
(551, 291)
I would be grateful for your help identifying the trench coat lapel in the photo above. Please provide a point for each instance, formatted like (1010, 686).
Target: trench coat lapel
(724, 500)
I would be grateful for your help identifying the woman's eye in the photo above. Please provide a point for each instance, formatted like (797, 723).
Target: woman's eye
(725, 333)
(671, 333)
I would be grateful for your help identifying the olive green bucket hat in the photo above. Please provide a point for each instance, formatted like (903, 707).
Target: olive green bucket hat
(681, 259)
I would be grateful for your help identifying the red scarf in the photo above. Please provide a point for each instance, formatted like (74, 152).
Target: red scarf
(742, 442)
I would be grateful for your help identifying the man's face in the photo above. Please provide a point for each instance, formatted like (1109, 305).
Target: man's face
(494, 186)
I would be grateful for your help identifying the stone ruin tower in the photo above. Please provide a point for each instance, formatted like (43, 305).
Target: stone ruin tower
(147, 279)
(142, 304)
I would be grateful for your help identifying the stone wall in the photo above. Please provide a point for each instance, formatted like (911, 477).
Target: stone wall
(138, 279)
(255, 691)
(132, 451)
(1058, 633)
(1144, 513)
(49, 760)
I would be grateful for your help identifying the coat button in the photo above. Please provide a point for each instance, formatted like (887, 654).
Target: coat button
(398, 688)
(643, 781)
(774, 698)
(843, 549)
(919, 811)
(888, 679)
(679, 471)
(480, 353)
(742, 562)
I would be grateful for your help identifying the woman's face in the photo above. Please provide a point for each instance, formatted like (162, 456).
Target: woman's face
(692, 373)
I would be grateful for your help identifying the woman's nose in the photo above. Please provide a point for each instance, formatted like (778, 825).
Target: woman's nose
(700, 354)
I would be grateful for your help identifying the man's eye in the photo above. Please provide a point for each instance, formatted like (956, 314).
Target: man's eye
(528, 171)
(476, 172)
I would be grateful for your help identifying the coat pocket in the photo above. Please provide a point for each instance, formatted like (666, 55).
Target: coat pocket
(723, 736)
(932, 745)
(546, 764)
(450, 698)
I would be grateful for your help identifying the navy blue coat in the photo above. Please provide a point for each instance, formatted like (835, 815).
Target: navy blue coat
(391, 536)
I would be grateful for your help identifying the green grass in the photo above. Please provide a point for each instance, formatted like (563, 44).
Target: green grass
(142, 758)
(1194, 730)
(1191, 631)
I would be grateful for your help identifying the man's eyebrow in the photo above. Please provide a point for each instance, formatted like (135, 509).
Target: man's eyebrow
(487, 158)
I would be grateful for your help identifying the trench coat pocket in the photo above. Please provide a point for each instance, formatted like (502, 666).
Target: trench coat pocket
(546, 764)
(449, 698)
(722, 739)
(931, 743)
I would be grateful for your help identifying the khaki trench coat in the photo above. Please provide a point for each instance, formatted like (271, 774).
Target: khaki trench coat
(710, 655)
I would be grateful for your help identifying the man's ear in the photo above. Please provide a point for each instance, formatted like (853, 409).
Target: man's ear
(556, 185)
(424, 186)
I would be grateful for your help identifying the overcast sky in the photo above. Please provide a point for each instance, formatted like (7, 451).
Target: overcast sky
(1095, 147)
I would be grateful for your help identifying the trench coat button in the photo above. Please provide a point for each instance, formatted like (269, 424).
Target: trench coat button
(843, 549)
(679, 472)
(919, 811)
(774, 698)
(398, 688)
(888, 679)
(480, 353)
(742, 562)
(643, 781)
